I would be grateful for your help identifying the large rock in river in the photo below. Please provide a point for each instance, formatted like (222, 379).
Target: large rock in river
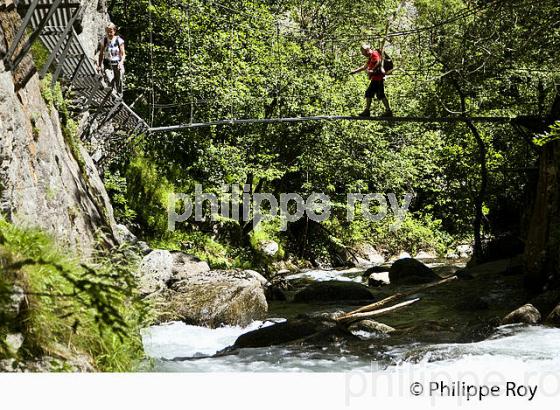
(410, 271)
(280, 333)
(181, 287)
(525, 314)
(160, 268)
(312, 331)
(216, 298)
(376, 276)
(333, 290)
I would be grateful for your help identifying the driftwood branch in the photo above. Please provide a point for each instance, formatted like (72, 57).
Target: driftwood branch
(392, 298)
(346, 319)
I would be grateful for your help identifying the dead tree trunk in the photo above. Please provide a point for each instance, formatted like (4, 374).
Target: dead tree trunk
(542, 254)
(479, 200)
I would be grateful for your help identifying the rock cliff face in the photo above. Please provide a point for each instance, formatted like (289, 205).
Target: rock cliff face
(43, 182)
(92, 23)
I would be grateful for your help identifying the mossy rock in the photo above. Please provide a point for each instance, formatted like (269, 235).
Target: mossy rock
(525, 314)
(279, 333)
(213, 299)
(410, 271)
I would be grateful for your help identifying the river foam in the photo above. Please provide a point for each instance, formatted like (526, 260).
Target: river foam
(513, 349)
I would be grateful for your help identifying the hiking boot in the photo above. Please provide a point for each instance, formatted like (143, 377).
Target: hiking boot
(387, 114)
(364, 113)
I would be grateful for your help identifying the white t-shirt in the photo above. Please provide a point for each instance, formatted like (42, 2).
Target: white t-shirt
(112, 50)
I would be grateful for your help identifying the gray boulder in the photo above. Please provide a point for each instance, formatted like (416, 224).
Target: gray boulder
(181, 287)
(525, 314)
(269, 248)
(185, 266)
(123, 235)
(333, 291)
(160, 268)
(411, 271)
(215, 298)
(16, 301)
(262, 280)
(376, 276)
(368, 255)
(426, 255)
(155, 271)
(378, 279)
(143, 247)
(403, 255)
(14, 341)
(464, 251)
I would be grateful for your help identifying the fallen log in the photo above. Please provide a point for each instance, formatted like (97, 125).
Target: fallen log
(346, 319)
(396, 296)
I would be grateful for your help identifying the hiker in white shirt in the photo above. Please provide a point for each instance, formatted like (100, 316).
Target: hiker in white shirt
(111, 58)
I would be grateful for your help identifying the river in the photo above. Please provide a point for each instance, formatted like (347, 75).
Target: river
(505, 349)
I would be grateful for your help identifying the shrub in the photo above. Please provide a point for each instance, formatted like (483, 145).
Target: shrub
(91, 308)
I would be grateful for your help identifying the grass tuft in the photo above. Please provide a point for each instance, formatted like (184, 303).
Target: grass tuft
(71, 308)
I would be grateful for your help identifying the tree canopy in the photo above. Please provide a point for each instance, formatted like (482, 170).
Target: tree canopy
(195, 60)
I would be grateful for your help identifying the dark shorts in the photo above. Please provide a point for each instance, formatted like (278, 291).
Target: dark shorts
(376, 89)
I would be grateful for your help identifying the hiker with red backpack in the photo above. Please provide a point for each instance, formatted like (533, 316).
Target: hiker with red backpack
(376, 68)
(111, 58)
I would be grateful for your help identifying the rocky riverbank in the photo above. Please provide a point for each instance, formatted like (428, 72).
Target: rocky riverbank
(465, 310)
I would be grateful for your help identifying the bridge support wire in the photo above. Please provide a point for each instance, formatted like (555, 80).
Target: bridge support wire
(503, 120)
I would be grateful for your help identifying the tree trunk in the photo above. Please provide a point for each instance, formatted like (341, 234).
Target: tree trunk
(542, 261)
(479, 199)
(542, 248)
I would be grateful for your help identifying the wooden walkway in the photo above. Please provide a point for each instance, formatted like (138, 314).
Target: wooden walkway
(54, 23)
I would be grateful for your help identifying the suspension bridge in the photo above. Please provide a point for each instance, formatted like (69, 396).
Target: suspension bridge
(54, 23)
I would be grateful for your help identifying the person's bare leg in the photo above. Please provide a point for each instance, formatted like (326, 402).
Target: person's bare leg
(388, 111)
(118, 80)
(365, 113)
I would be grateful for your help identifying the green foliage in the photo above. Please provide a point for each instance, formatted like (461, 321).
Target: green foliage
(70, 134)
(416, 232)
(39, 53)
(55, 99)
(552, 135)
(148, 193)
(293, 58)
(266, 231)
(53, 96)
(71, 307)
(116, 187)
(413, 234)
(218, 254)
